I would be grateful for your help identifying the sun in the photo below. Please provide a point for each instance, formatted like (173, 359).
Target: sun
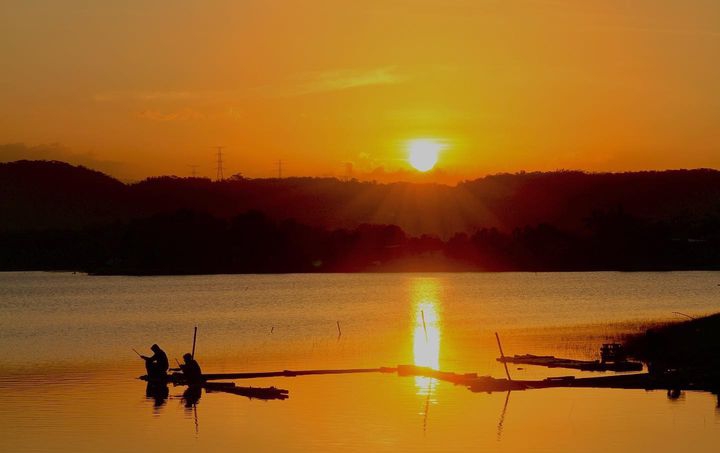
(423, 153)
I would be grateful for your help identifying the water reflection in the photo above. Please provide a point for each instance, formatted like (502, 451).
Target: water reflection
(501, 422)
(191, 396)
(426, 330)
(81, 409)
(158, 392)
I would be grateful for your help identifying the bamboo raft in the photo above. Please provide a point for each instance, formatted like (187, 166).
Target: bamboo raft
(613, 359)
(489, 384)
(179, 378)
(550, 361)
(471, 381)
(263, 393)
(266, 393)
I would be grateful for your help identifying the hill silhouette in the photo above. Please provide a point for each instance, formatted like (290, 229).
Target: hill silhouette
(49, 194)
(58, 216)
(45, 195)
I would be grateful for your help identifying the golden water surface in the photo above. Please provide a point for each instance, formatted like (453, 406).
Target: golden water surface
(67, 378)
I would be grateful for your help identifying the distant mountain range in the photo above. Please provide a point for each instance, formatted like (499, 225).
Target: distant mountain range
(54, 216)
(56, 195)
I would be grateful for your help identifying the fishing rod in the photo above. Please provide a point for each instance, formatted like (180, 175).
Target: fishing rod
(179, 368)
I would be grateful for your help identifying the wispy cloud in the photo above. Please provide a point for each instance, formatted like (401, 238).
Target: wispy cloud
(337, 80)
(178, 115)
(112, 96)
(299, 84)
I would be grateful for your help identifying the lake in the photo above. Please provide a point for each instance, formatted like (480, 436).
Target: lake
(68, 375)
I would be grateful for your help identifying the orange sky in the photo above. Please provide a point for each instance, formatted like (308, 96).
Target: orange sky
(148, 87)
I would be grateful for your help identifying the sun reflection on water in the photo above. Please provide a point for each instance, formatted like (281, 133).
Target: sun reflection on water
(426, 330)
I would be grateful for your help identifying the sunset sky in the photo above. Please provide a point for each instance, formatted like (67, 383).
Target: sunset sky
(139, 88)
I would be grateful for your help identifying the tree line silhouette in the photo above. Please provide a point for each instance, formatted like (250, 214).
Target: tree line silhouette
(59, 217)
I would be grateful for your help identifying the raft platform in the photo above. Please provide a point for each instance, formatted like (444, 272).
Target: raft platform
(550, 361)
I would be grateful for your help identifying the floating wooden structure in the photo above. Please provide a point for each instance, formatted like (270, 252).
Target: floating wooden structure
(583, 365)
(488, 384)
(179, 379)
(612, 358)
(295, 373)
(266, 393)
(263, 393)
(471, 381)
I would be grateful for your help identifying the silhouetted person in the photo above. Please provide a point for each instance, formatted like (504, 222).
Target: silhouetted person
(157, 364)
(191, 371)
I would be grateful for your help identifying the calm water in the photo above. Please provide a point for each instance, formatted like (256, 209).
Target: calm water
(67, 380)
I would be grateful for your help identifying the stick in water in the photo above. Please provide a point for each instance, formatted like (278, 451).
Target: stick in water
(339, 331)
(422, 313)
(497, 337)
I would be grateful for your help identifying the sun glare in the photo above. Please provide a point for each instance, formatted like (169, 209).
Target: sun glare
(423, 153)
(426, 330)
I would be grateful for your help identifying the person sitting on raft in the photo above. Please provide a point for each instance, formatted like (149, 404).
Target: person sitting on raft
(191, 370)
(157, 364)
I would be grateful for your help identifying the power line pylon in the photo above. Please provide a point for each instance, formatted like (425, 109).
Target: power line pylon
(219, 172)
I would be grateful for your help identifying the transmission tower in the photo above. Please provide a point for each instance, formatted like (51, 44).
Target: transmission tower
(193, 169)
(219, 173)
(279, 169)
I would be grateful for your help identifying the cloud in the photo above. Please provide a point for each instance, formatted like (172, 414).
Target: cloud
(300, 84)
(337, 80)
(201, 95)
(10, 152)
(178, 115)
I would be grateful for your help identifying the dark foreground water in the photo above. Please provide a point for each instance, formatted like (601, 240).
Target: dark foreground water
(67, 377)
